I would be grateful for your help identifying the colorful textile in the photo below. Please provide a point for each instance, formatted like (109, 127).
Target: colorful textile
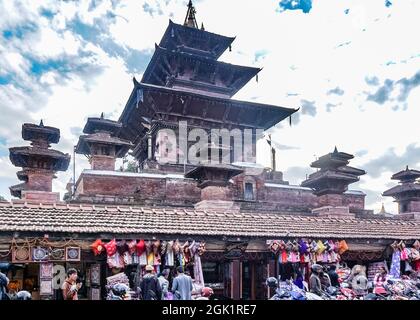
(395, 271)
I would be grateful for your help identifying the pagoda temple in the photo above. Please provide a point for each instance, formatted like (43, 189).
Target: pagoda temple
(407, 192)
(39, 163)
(100, 144)
(332, 179)
(185, 81)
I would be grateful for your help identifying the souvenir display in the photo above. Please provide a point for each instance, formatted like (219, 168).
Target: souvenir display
(39, 254)
(72, 254)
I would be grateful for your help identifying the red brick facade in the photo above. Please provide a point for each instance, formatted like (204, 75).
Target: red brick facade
(161, 189)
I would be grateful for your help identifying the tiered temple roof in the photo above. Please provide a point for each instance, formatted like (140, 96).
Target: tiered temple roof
(409, 187)
(334, 175)
(102, 131)
(37, 159)
(184, 81)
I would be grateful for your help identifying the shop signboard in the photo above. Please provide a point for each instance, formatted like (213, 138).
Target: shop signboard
(235, 250)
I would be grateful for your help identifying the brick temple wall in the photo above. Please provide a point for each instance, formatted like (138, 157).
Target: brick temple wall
(161, 190)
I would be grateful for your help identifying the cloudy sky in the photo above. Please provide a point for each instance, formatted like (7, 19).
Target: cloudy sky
(353, 67)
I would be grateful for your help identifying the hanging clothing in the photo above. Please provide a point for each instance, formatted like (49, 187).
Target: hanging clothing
(150, 259)
(115, 261)
(180, 259)
(416, 265)
(404, 254)
(283, 256)
(395, 271)
(169, 258)
(131, 258)
(156, 259)
(143, 259)
(197, 268)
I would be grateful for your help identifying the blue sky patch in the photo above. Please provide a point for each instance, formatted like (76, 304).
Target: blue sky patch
(304, 5)
(46, 13)
(20, 31)
(41, 67)
(260, 54)
(5, 79)
(3, 148)
(87, 32)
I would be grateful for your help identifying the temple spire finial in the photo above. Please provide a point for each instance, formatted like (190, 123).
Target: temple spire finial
(190, 20)
(335, 150)
(102, 115)
(41, 124)
(202, 26)
(382, 209)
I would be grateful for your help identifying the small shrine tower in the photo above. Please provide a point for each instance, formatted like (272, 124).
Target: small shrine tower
(101, 145)
(332, 179)
(407, 192)
(39, 163)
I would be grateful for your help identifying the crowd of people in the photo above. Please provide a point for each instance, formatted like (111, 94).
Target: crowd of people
(326, 283)
(158, 287)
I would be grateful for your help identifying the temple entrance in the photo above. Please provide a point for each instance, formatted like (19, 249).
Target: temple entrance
(253, 280)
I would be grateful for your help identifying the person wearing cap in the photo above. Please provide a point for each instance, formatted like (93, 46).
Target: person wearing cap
(182, 285)
(149, 286)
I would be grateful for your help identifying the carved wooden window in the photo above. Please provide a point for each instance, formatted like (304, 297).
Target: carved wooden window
(249, 191)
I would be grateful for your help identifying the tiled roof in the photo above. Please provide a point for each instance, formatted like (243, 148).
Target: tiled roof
(182, 221)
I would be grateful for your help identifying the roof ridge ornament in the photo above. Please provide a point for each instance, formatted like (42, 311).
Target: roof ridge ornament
(190, 20)
(383, 211)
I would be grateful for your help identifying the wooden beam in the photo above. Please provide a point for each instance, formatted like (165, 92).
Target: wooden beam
(205, 109)
(152, 104)
(158, 78)
(230, 79)
(186, 105)
(259, 117)
(170, 105)
(227, 111)
(195, 70)
(236, 279)
(229, 124)
(163, 69)
(167, 64)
